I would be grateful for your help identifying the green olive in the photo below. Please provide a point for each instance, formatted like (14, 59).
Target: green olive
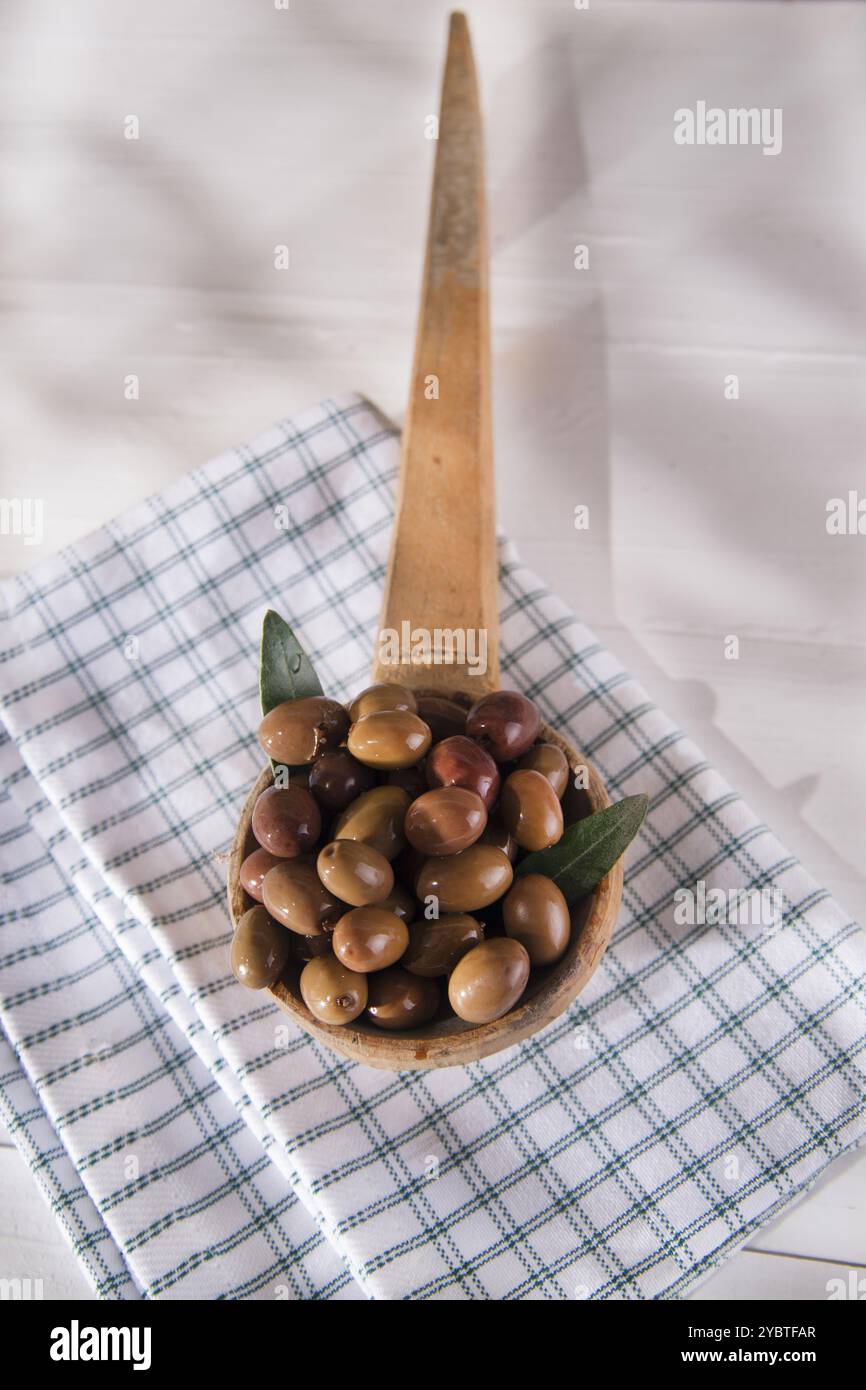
(379, 697)
(260, 949)
(296, 730)
(467, 881)
(332, 992)
(369, 939)
(535, 913)
(389, 739)
(376, 818)
(355, 872)
(551, 762)
(435, 947)
(489, 980)
(295, 895)
(531, 810)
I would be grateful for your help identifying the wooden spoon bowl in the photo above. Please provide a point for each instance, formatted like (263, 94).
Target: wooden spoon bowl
(442, 576)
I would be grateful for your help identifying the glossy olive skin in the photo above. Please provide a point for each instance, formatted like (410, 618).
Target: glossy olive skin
(336, 779)
(306, 948)
(286, 821)
(295, 896)
(445, 821)
(376, 818)
(260, 949)
(489, 980)
(531, 809)
(435, 947)
(535, 913)
(551, 762)
(407, 867)
(380, 697)
(445, 717)
(389, 739)
(296, 730)
(468, 881)
(401, 902)
(458, 762)
(505, 723)
(399, 1000)
(331, 992)
(355, 872)
(412, 779)
(499, 835)
(368, 939)
(253, 871)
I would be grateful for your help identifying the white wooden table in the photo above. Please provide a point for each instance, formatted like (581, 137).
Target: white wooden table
(259, 127)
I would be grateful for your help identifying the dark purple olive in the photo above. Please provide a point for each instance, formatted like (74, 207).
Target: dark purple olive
(253, 871)
(336, 778)
(445, 717)
(458, 762)
(504, 723)
(411, 779)
(286, 821)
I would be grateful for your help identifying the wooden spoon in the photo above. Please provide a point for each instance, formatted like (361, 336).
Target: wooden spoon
(442, 575)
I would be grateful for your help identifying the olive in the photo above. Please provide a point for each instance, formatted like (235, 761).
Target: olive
(458, 762)
(535, 913)
(445, 821)
(411, 779)
(376, 818)
(531, 810)
(497, 834)
(369, 939)
(435, 947)
(489, 980)
(253, 871)
(297, 730)
(389, 738)
(505, 723)
(551, 762)
(336, 779)
(332, 992)
(444, 716)
(400, 902)
(286, 821)
(295, 895)
(355, 872)
(408, 866)
(305, 948)
(464, 882)
(400, 1000)
(260, 949)
(379, 697)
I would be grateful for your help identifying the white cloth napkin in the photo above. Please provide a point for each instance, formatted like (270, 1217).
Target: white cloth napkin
(702, 1081)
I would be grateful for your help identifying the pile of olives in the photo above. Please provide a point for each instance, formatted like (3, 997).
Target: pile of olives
(385, 868)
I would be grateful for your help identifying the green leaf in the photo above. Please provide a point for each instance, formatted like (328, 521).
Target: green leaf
(589, 848)
(286, 672)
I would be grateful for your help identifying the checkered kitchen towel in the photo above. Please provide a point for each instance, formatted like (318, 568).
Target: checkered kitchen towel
(703, 1080)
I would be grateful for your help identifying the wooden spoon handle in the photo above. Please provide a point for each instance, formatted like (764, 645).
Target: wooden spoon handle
(442, 568)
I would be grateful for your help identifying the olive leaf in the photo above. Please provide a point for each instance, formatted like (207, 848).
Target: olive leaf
(589, 848)
(286, 672)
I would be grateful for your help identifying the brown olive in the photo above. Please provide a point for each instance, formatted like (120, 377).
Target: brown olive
(499, 835)
(467, 881)
(336, 779)
(286, 821)
(458, 762)
(253, 871)
(369, 939)
(400, 1000)
(332, 992)
(531, 810)
(445, 821)
(551, 762)
(376, 818)
(401, 902)
(379, 697)
(297, 730)
(489, 980)
(444, 716)
(355, 872)
(411, 779)
(305, 948)
(388, 739)
(435, 947)
(505, 723)
(295, 895)
(260, 949)
(408, 866)
(535, 913)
